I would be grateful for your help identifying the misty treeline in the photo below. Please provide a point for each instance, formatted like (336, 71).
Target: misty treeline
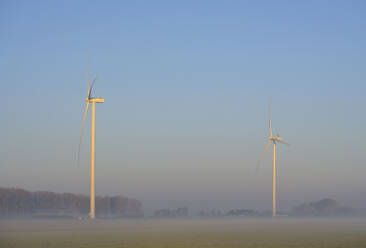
(325, 208)
(179, 212)
(15, 202)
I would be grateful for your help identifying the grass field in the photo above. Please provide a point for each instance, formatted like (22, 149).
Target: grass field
(181, 233)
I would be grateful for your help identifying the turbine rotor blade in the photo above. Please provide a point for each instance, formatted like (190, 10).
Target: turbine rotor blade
(283, 142)
(82, 128)
(269, 117)
(87, 75)
(91, 87)
(261, 157)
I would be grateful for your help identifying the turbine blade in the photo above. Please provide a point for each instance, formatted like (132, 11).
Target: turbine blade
(87, 75)
(269, 117)
(283, 142)
(265, 150)
(82, 128)
(91, 87)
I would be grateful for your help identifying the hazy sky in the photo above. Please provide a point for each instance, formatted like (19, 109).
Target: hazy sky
(186, 86)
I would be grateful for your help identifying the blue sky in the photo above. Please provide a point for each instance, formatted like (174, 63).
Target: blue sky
(186, 87)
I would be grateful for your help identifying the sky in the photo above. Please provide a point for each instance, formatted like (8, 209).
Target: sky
(186, 87)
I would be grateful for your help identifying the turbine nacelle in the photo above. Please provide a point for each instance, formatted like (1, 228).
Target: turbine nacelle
(278, 139)
(97, 99)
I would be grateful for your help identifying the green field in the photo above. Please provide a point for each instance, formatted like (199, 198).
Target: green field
(184, 233)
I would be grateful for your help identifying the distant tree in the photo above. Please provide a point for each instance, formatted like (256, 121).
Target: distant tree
(162, 213)
(103, 206)
(210, 213)
(181, 212)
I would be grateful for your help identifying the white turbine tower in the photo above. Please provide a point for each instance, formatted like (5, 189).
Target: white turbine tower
(93, 100)
(272, 139)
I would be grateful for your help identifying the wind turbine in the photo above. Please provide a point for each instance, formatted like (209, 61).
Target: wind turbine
(93, 100)
(272, 139)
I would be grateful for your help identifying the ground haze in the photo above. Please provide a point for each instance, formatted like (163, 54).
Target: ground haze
(185, 233)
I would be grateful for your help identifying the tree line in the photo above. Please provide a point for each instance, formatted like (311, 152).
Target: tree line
(16, 202)
(325, 207)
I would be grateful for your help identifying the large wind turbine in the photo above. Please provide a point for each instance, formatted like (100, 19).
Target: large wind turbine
(93, 100)
(272, 139)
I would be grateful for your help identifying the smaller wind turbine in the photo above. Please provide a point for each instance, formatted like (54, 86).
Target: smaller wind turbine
(272, 139)
(93, 100)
